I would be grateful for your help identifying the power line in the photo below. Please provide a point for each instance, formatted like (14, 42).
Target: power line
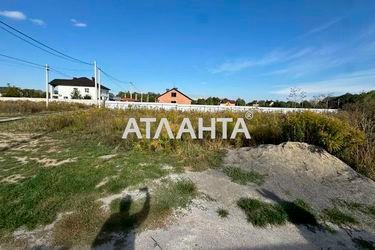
(118, 80)
(42, 44)
(115, 80)
(22, 60)
(59, 72)
(44, 47)
(35, 65)
(71, 69)
(112, 77)
(32, 44)
(8, 62)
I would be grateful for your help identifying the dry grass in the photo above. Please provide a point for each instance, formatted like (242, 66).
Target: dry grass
(336, 135)
(362, 117)
(13, 108)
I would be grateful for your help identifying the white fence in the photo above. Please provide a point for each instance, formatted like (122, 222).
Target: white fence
(203, 108)
(83, 101)
(173, 106)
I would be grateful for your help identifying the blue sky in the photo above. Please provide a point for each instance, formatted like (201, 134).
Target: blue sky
(247, 49)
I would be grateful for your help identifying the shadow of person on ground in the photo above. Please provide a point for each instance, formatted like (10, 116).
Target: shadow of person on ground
(298, 214)
(116, 232)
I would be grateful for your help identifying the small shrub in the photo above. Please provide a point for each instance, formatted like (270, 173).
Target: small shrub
(261, 213)
(243, 177)
(223, 213)
(338, 217)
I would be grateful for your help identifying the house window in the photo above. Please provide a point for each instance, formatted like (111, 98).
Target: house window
(173, 101)
(87, 90)
(173, 94)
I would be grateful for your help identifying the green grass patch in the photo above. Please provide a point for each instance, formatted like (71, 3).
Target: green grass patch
(261, 213)
(355, 206)
(223, 213)
(338, 217)
(243, 177)
(45, 191)
(172, 195)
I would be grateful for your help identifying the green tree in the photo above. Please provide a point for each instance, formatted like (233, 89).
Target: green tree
(76, 94)
(240, 102)
(12, 91)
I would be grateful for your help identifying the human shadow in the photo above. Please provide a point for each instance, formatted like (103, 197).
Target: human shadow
(117, 231)
(298, 214)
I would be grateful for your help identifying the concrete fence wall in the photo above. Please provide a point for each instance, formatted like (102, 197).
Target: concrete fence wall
(88, 102)
(172, 106)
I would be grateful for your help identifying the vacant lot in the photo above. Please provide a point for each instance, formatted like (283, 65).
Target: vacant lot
(68, 179)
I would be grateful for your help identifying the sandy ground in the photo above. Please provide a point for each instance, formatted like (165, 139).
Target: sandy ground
(293, 171)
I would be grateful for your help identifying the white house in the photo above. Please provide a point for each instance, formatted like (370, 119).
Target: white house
(64, 88)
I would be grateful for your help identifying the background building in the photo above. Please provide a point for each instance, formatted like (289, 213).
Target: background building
(174, 96)
(77, 88)
(227, 102)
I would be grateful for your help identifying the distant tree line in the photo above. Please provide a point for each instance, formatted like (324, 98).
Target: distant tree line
(343, 101)
(149, 96)
(13, 91)
(217, 101)
(296, 99)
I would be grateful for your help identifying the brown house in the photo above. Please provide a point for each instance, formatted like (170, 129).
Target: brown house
(227, 102)
(174, 96)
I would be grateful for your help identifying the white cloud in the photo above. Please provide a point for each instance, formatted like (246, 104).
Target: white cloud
(20, 16)
(328, 58)
(321, 28)
(233, 66)
(275, 56)
(78, 23)
(36, 21)
(352, 82)
(13, 14)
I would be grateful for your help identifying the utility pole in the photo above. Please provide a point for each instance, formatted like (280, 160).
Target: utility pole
(47, 85)
(131, 94)
(100, 90)
(96, 82)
